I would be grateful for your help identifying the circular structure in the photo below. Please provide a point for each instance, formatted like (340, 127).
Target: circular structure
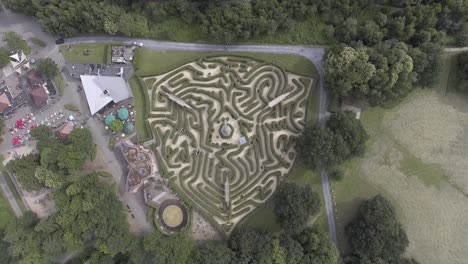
(172, 216)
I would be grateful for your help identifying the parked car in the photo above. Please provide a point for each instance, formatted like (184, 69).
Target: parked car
(59, 41)
(139, 44)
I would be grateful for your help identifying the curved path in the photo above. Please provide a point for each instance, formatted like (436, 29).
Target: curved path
(313, 54)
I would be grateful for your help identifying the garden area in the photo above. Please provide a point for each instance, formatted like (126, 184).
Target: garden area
(230, 130)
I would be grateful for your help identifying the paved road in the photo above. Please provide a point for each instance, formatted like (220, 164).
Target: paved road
(313, 54)
(9, 195)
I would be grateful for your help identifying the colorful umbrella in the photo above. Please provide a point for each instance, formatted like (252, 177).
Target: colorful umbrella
(109, 119)
(122, 113)
(16, 140)
(32, 127)
(19, 123)
(128, 127)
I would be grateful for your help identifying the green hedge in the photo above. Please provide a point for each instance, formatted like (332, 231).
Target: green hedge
(71, 107)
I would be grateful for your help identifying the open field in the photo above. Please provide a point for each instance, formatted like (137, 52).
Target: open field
(150, 62)
(95, 53)
(416, 157)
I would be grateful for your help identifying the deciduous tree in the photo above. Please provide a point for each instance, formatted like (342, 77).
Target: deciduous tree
(294, 205)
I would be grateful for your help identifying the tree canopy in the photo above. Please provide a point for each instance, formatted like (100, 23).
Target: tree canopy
(176, 248)
(47, 68)
(375, 235)
(294, 205)
(342, 138)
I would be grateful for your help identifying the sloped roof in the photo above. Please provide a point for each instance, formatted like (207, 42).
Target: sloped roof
(39, 97)
(95, 85)
(4, 102)
(65, 130)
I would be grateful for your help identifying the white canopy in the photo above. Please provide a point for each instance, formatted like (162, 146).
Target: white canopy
(101, 90)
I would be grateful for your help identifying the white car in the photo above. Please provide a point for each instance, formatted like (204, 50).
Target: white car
(140, 44)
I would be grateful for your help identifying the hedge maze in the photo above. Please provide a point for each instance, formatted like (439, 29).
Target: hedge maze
(224, 130)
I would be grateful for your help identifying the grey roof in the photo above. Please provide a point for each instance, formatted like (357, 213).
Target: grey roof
(95, 85)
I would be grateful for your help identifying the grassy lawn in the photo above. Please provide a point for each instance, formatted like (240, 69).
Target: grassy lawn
(448, 79)
(143, 132)
(60, 83)
(38, 42)
(12, 188)
(150, 62)
(307, 32)
(353, 189)
(6, 215)
(86, 53)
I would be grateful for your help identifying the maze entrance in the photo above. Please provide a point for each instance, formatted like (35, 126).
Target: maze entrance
(225, 129)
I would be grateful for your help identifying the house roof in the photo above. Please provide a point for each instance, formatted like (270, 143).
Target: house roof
(35, 80)
(4, 102)
(39, 97)
(95, 85)
(66, 129)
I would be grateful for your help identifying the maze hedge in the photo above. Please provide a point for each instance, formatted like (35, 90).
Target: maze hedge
(226, 177)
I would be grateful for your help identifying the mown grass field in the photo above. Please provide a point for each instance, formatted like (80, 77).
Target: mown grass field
(149, 62)
(416, 157)
(84, 53)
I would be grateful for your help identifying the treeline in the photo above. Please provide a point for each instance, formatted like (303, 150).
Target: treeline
(56, 162)
(385, 57)
(228, 21)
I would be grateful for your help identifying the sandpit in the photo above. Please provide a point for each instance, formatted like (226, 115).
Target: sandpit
(172, 216)
(433, 128)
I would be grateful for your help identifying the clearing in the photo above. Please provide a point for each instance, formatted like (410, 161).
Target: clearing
(417, 158)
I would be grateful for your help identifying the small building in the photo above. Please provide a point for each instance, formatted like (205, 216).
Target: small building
(18, 63)
(64, 131)
(4, 102)
(101, 90)
(141, 165)
(118, 54)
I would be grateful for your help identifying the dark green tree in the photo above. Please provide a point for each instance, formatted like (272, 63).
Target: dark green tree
(211, 252)
(350, 129)
(318, 248)
(47, 68)
(375, 233)
(24, 169)
(319, 147)
(168, 249)
(4, 57)
(294, 204)
(251, 246)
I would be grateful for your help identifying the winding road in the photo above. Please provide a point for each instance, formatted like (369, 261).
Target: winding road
(29, 28)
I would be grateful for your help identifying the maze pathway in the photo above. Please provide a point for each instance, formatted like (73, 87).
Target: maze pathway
(225, 129)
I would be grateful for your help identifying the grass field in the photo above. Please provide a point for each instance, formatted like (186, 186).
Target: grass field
(60, 83)
(139, 100)
(6, 215)
(150, 62)
(416, 157)
(88, 52)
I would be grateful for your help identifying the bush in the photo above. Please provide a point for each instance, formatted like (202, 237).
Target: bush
(336, 175)
(60, 83)
(112, 143)
(38, 42)
(71, 107)
(105, 174)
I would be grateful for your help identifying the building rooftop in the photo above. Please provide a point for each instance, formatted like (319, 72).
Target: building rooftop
(101, 90)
